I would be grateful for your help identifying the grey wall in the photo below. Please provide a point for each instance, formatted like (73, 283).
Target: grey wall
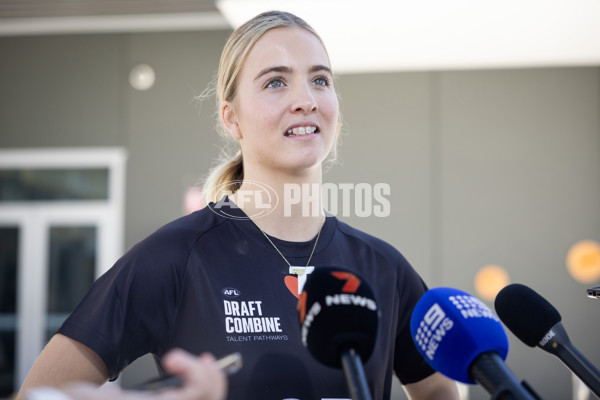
(485, 167)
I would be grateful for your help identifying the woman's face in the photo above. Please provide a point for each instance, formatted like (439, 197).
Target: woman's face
(285, 113)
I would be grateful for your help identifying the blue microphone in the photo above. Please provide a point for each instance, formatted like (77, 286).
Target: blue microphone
(459, 336)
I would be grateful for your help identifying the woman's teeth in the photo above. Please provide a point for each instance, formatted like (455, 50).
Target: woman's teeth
(301, 130)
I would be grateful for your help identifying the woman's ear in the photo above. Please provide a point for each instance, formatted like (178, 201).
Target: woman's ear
(229, 119)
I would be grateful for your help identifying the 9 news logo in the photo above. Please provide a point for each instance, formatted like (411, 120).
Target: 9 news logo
(432, 329)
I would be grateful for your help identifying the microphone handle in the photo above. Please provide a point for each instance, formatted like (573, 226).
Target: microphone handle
(559, 344)
(580, 365)
(355, 375)
(490, 371)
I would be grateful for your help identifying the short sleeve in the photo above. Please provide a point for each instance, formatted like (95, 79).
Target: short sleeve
(129, 309)
(409, 365)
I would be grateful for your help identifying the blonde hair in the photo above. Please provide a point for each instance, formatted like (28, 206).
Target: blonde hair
(228, 175)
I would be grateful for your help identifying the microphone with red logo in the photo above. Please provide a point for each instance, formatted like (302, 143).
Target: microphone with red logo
(537, 323)
(338, 321)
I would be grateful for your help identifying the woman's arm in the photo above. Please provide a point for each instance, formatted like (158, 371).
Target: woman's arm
(434, 387)
(65, 360)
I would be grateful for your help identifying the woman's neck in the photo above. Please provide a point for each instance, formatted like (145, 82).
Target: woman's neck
(286, 206)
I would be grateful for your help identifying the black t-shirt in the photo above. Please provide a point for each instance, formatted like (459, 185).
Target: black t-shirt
(207, 283)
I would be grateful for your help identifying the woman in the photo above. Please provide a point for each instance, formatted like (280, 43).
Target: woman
(227, 278)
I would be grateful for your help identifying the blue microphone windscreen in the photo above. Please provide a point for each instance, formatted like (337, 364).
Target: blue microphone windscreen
(451, 329)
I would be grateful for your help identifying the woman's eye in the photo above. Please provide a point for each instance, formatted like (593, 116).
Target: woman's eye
(275, 83)
(321, 81)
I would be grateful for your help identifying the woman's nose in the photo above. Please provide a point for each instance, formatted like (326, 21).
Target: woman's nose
(304, 101)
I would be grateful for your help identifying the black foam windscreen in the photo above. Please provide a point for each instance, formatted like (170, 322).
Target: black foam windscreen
(527, 314)
(338, 312)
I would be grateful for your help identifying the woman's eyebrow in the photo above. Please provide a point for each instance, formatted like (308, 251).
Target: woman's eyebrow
(317, 68)
(265, 71)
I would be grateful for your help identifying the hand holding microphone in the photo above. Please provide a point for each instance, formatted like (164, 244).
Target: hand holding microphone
(459, 336)
(338, 321)
(537, 323)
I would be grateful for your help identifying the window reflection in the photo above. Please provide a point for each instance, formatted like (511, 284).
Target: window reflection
(51, 184)
(72, 263)
(9, 237)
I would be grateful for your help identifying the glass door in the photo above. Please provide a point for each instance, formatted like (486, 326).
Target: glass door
(61, 226)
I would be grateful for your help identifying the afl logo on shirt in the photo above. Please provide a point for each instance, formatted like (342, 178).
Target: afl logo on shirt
(231, 292)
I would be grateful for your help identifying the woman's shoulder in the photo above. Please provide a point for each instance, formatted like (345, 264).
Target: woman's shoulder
(189, 227)
(377, 252)
(362, 238)
(173, 242)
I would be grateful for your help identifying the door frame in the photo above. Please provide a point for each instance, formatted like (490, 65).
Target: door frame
(34, 218)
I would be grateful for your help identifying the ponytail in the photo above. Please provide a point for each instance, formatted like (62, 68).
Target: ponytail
(224, 179)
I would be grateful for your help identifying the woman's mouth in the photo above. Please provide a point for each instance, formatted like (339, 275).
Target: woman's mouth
(301, 130)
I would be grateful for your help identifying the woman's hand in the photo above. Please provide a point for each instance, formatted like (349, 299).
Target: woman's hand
(203, 380)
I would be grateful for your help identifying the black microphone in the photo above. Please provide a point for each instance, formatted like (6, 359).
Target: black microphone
(537, 323)
(338, 318)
